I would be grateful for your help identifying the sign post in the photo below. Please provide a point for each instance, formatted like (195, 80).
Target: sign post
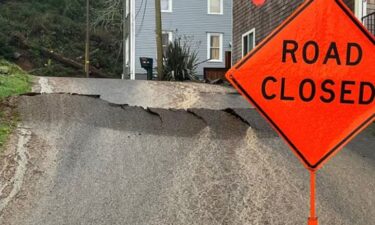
(313, 79)
(313, 220)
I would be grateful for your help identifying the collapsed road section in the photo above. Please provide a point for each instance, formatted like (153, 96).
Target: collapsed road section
(175, 95)
(94, 162)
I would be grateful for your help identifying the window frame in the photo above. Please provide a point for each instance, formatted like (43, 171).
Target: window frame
(170, 7)
(243, 42)
(221, 49)
(170, 37)
(215, 13)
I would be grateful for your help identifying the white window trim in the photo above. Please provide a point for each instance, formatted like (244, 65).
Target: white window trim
(170, 35)
(170, 7)
(213, 13)
(244, 35)
(360, 9)
(209, 47)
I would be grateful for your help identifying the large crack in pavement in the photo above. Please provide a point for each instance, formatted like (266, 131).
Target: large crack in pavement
(249, 116)
(176, 95)
(106, 163)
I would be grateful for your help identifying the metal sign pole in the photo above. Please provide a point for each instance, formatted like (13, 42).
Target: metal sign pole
(289, 61)
(313, 220)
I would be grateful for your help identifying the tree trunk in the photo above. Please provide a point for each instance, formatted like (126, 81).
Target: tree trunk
(55, 56)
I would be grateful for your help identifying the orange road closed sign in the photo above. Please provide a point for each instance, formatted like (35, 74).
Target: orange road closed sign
(313, 79)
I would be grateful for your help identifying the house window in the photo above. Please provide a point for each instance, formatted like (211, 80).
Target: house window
(215, 47)
(248, 42)
(166, 40)
(215, 6)
(166, 5)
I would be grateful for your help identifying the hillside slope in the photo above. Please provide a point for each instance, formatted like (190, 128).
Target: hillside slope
(59, 26)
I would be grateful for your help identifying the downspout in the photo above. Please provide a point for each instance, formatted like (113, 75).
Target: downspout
(132, 40)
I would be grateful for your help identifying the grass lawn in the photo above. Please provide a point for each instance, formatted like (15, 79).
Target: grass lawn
(5, 129)
(13, 81)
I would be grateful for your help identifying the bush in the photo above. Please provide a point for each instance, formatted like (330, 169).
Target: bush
(180, 62)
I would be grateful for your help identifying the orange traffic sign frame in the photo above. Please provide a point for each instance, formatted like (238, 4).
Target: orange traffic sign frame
(313, 79)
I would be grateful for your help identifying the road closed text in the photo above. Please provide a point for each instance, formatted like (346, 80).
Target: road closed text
(327, 90)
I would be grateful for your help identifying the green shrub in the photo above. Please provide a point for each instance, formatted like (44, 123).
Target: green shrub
(180, 61)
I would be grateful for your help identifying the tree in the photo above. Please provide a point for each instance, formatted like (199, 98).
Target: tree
(108, 19)
(109, 15)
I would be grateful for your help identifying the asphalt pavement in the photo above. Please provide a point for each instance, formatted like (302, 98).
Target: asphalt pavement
(176, 95)
(134, 160)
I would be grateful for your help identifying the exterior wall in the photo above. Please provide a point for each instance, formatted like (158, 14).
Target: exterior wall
(188, 18)
(370, 6)
(369, 16)
(264, 19)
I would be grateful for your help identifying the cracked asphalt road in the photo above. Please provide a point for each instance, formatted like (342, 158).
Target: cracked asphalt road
(91, 161)
(145, 94)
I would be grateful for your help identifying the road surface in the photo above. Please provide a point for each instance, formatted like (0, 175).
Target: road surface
(77, 159)
(145, 94)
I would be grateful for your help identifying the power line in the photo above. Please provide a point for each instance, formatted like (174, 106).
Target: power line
(140, 7)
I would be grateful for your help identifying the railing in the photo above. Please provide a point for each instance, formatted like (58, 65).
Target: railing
(369, 22)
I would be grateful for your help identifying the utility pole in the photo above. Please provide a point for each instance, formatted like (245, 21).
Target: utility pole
(159, 44)
(124, 38)
(87, 51)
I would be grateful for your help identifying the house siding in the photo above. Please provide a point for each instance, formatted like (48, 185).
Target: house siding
(370, 6)
(264, 19)
(188, 18)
